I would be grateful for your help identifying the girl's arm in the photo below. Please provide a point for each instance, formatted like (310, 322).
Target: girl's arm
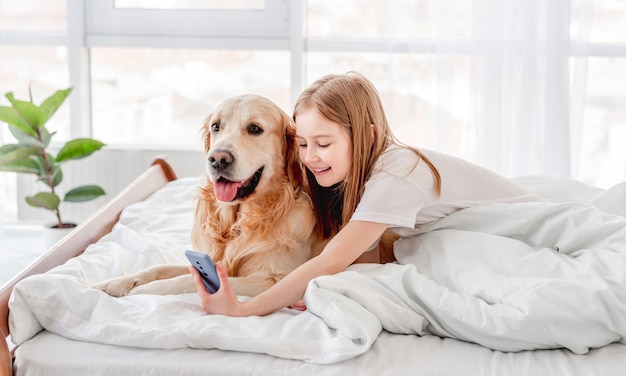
(343, 249)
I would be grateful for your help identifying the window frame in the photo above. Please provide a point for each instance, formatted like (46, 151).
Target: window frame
(280, 26)
(103, 19)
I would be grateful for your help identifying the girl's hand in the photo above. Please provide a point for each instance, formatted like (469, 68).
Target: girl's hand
(224, 301)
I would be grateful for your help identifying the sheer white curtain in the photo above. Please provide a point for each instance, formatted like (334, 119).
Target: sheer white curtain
(522, 101)
(507, 96)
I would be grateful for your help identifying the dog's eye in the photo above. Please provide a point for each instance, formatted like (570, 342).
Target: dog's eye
(215, 127)
(254, 129)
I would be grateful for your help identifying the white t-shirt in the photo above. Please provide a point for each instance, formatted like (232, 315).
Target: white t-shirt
(402, 195)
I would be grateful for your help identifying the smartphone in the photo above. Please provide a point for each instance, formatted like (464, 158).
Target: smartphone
(203, 263)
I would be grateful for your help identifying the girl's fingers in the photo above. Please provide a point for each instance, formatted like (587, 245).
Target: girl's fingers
(223, 277)
(197, 280)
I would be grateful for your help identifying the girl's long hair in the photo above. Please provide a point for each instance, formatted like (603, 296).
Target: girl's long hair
(351, 101)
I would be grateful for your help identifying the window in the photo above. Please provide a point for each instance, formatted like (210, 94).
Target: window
(405, 20)
(147, 96)
(190, 4)
(106, 20)
(33, 15)
(520, 87)
(163, 78)
(607, 20)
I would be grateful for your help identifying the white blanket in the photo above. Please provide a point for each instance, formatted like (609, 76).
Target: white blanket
(509, 277)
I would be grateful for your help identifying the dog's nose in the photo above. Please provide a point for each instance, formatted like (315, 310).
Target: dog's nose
(221, 159)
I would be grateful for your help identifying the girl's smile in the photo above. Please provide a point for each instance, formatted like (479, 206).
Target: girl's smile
(325, 147)
(320, 171)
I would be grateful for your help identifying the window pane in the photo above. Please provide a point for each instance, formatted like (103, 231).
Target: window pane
(598, 21)
(426, 98)
(190, 4)
(161, 96)
(44, 70)
(604, 123)
(608, 24)
(33, 15)
(413, 19)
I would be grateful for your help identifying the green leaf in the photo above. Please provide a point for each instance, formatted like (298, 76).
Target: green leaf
(44, 200)
(11, 153)
(51, 104)
(46, 136)
(8, 148)
(28, 166)
(57, 177)
(78, 148)
(12, 117)
(84, 193)
(41, 165)
(33, 115)
(26, 138)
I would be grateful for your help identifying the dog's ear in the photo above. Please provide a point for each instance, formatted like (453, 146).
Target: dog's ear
(205, 130)
(293, 167)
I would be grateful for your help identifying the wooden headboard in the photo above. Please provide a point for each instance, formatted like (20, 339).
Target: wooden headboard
(88, 232)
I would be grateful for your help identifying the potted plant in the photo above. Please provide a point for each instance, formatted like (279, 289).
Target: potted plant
(31, 154)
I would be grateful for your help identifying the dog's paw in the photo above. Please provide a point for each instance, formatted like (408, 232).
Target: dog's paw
(151, 288)
(117, 287)
(173, 286)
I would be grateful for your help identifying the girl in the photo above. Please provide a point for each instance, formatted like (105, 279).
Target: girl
(362, 181)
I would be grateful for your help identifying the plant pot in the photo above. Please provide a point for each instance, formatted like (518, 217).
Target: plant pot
(52, 234)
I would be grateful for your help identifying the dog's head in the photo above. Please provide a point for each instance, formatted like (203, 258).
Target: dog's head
(250, 145)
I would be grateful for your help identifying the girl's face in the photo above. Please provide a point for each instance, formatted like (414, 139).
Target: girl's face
(325, 147)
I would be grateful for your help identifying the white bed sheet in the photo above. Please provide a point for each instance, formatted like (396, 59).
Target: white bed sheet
(157, 231)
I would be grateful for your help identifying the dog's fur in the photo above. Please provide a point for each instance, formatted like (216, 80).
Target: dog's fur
(251, 214)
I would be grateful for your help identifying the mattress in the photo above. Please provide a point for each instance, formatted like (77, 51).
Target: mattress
(514, 305)
(50, 354)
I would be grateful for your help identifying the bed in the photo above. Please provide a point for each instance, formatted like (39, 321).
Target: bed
(519, 289)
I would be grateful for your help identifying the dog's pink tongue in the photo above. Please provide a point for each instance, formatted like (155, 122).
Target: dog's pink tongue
(226, 191)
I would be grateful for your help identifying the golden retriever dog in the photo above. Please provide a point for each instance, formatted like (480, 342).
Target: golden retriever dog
(251, 214)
